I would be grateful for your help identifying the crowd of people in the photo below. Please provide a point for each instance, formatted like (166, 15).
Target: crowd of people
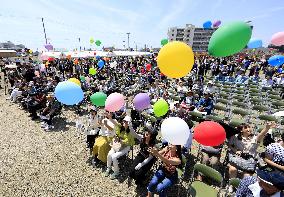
(110, 136)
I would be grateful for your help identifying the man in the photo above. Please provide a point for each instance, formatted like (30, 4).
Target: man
(241, 79)
(205, 104)
(266, 184)
(209, 88)
(53, 106)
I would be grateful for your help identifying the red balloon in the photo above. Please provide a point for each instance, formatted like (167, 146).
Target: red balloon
(50, 59)
(95, 53)
(209, 133)
(148, 67)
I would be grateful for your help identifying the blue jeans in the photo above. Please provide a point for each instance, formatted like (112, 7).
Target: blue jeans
(160, 182)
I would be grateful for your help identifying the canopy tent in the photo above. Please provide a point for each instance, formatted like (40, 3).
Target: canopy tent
(85, 54)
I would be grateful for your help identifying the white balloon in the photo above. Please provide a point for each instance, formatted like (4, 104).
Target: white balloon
(175, 131)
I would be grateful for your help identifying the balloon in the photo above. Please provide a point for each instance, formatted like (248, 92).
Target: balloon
(50, 59)
(92, 40)
(95, 53)
(276, 60)
(217, 23)
(74, 80)
(229, 39)
(164, 42)
(98, 57)
(98, 42)
(82, 78)
(47, 63)
(161, 107)
(44, 57)
(148, 67)
(76, 61)
(48, 47)
(254, 43)
(141, 101)
(175, 59)
(175, 131)
(98, 99)
(68, 57)
(68, 93)
(278, 39)
(207, 25)
(30, 51)
(114, 102)
(92, 71)
(209, 133)
(101, 64)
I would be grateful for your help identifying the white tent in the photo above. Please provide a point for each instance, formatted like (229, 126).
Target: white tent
(84, 54)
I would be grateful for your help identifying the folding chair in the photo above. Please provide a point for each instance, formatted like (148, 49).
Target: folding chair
(239, 104)
(275, 97)
(181, 172)
(267, 118)
(214, 118)
(260, 108)
(199, 188)
(235, 123)
(278, 104)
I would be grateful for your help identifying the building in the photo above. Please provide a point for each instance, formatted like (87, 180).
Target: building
(197, 38)
(11, 45)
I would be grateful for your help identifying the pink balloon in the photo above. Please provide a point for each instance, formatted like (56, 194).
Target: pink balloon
(278, 39)
(114, 102)
(44, 57)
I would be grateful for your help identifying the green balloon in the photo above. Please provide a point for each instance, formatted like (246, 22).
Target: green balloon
(98, 42)
(92, 40)
(92, 71)
(98, 99)
(82, 78)
(229, 39)
(164, 42)
(161, 107)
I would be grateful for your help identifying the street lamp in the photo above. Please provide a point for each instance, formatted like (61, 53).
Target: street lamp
(128, 39)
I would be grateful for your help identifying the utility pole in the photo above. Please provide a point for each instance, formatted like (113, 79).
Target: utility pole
(80, 43)
(44, 30)
(128, 40)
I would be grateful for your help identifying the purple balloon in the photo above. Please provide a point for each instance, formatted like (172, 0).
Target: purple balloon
(48, 47)
(141, 101)
(217, 23)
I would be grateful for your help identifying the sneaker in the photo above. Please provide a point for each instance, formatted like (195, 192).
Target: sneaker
(114, 175)
(231, 189)
(46, 128)
(94, 162)
(107, 172)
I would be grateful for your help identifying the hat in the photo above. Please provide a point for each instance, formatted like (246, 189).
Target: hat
(127, 118)
(273, 178)
(50, 95)
(206, 92)
(210, 82)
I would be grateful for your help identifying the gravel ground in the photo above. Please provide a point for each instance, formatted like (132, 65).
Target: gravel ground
(38, 163)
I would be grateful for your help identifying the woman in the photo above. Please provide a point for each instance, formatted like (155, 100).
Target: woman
(120, 145)
(102, 143)
(243, 149)
(274, 155)
(144, 161)
(166, 175)
(92, 129)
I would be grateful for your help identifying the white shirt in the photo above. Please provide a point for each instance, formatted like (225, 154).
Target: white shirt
(255, 189)
(105, 131)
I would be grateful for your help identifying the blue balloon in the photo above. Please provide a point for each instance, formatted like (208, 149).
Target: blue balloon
(254, 43)
(207, 25)
(101, 64)
(98, 57)
(276, 60)
(68, 93)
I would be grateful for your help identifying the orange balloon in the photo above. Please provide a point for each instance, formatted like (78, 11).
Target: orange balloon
(76, 61)
(68, 57)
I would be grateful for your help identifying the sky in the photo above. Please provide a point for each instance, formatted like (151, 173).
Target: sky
(110, 20)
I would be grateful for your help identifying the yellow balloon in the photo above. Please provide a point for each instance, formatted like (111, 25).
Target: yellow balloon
(175, 59)
(74, 80)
